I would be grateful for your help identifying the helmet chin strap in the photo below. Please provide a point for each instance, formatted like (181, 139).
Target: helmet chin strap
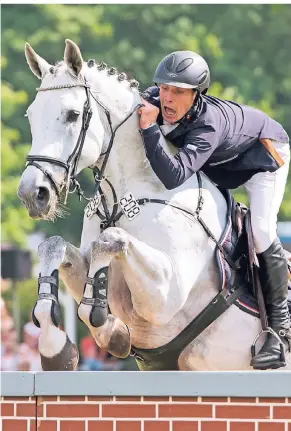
(191, 114)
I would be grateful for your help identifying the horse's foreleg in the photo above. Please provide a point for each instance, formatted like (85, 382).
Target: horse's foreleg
(151, 279)
(56, 255)
(147, 271)
(110, 332)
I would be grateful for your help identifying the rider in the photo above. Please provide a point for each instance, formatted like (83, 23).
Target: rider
(234, 145)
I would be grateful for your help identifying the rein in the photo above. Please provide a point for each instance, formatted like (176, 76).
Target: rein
(71, 164)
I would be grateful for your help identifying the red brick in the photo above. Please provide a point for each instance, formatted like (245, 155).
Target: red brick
(39, 408)
(214, 399)
(282, 412)
(213, 426)
(271, 426)
(243, 399)
(7, 409)
(156, 426)
(43, 425)
(73, 399)
(100, 398)
(49, 399)
(100, 426)
(14, 424)
(72, 410)
(128, 426)
(165, 399)
(243, 412)
(271, 400)
(242, 426)
(128, 411)
(185, 426)
(72, 425)
(289, 426)
(22, 399)
(185, 410)
(26, 410)
(186, 399)
(128, 399)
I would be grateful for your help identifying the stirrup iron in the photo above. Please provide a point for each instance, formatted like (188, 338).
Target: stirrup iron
(272, 332)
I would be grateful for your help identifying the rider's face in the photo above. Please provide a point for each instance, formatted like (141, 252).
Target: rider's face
(175, 102)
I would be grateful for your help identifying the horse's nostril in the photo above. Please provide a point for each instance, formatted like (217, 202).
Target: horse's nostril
(42, 194)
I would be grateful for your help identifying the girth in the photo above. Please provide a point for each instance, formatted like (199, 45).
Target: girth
(166, 356)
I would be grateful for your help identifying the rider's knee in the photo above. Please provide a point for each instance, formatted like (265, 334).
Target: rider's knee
(264, 234)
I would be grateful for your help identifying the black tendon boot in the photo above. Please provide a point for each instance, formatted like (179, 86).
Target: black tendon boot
(274, 280)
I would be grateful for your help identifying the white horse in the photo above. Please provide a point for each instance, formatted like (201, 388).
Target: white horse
(162, 271)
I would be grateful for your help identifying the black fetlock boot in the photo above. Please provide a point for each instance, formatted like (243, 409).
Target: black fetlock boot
(274, 280)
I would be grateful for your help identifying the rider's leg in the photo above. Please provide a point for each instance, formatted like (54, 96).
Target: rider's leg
(266, 192)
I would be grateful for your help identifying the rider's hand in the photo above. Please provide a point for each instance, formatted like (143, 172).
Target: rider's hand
(148, 114)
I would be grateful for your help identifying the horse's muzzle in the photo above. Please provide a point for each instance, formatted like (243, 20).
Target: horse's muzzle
(36, 199)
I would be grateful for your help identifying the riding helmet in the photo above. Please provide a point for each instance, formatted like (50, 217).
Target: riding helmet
(184, 69)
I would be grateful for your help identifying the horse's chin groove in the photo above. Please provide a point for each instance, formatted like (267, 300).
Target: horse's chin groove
(56, 211)
(50, 216)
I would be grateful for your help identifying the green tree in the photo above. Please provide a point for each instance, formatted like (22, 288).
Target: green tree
(45, 27)
(12, 154)
(247, 47)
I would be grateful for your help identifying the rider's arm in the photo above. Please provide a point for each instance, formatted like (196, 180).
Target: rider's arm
(175, 170)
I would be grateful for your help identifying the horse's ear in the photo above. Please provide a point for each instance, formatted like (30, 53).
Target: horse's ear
(37, 64)
(73, 57)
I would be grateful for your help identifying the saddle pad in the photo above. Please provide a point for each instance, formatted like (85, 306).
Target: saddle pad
(246, 302)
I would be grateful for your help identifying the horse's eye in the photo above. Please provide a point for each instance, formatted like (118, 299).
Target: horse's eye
(72, 116)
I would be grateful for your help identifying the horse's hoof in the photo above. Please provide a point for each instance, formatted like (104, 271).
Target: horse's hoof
(119, 344)
(66, 360)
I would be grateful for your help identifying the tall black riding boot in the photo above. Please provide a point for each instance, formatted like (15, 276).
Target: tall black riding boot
(273, 275)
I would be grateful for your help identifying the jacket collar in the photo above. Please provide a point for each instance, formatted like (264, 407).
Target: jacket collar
(184, 125)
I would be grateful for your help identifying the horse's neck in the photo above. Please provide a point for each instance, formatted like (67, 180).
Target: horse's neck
(127, 166)
(129, 163)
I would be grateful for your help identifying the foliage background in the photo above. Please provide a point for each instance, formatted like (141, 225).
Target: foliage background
(246, 46)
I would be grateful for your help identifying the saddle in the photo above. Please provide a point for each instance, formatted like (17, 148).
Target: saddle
(239, 282)
(237, 240)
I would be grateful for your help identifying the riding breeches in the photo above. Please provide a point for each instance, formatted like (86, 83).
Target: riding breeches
(265, 192)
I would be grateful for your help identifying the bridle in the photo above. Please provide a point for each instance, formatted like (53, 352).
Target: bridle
(71, 164)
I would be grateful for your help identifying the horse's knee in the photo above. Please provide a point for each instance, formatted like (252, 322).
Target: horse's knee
(52, 247)
(113, 241)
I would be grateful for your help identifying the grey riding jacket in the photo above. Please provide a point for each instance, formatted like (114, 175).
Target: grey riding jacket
(221, 138)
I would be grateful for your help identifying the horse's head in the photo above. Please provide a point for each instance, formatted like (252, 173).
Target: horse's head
(69, 129)
(56, 122)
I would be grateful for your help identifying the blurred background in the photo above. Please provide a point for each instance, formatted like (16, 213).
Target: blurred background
(248, 51)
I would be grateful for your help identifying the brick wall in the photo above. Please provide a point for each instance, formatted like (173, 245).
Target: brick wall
(116, 413)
